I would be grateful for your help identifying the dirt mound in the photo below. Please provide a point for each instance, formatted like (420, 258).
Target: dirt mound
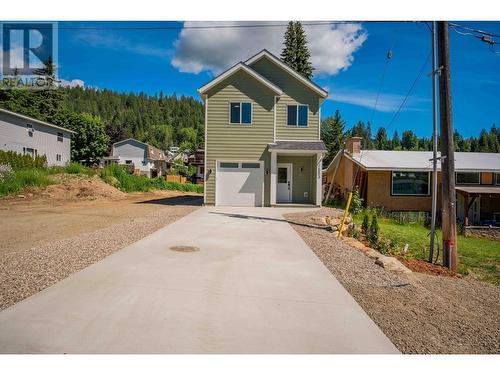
(76, 187)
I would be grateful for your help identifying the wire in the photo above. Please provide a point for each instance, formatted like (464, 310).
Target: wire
(474, 30)
(409, 91)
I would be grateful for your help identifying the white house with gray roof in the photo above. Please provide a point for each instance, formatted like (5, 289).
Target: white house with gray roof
(29, 136)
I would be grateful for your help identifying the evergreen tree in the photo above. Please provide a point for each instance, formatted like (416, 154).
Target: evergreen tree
(332, 134)
(381, 140)
(396, 141)
(295, 52)
(409, 140)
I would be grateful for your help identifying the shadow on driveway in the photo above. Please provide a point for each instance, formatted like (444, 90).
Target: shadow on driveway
(184, 200)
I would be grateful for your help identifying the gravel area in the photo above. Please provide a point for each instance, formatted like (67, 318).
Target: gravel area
(26, 272)
(419, 313)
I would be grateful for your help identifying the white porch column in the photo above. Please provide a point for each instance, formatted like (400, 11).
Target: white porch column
(319, 179)
(274, 159)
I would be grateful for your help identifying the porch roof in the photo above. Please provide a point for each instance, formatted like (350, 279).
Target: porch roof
(479, 189)
(301, 146)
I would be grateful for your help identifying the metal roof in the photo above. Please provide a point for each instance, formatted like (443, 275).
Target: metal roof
(297, 145)
(479, 189)
(420, 160)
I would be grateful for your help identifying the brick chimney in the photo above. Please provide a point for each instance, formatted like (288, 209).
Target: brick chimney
(353, 145)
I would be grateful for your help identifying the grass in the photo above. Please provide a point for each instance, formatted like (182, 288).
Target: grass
(18, 180)
(116, 175)
(477, 256)
(72, 168)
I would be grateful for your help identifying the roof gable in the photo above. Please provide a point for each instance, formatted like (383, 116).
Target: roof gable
(277, 61)
(236, 68)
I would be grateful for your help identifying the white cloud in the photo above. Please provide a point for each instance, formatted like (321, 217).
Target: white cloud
(72, 83)
(115, 42)
(364, 98)
(216, 49)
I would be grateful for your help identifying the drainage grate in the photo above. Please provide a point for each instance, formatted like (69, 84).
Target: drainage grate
(184, 249)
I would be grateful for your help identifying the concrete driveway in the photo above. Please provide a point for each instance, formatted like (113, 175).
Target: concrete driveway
(252, 287)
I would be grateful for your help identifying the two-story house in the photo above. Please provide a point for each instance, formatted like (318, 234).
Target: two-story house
(29, 136)
(262, 135)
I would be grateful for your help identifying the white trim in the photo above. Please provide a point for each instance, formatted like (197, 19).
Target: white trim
(241, 113)
(319, 180)
(272, 198)
(129, 139)
(285, 67)
(297, 124)
(291, 180)
(274, 118)
(205, 169)
(233, 70)
(301, 152)
(319, 120)
(31, 119)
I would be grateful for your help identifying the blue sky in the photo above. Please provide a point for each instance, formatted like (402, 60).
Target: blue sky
(350, 63)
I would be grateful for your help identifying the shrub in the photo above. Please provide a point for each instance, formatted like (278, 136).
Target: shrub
(366, 224)
(374, 231)
(18, 161)
(5, 171)
(77, 168)
(356, 202)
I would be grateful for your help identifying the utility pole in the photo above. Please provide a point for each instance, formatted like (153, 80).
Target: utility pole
(434, 145)
(449, 221)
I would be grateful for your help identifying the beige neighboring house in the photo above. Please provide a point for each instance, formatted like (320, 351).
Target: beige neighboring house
(402, 181)
(29, 136)
(262, 135)
(143, 158)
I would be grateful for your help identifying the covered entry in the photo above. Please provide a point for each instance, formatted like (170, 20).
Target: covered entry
(239, 183)
(296, 172)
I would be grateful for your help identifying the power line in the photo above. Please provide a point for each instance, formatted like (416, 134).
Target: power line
(474, 30)
(422, 68)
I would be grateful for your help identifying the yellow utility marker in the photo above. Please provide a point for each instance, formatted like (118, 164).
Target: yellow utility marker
(346, 212)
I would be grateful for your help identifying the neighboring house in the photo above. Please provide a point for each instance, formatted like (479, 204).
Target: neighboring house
(198, 160)
(144, 159)
(402, 180)
(28, 136)
(262, 135)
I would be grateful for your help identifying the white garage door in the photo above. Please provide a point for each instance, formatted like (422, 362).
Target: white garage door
(239, 183)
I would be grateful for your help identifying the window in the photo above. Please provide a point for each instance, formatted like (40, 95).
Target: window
(410, 183)
(297, 115)
(30, 151)
(250, 165)
(58, 157)
(128, 161)
(228, 165)
(497, 178)
(282, 175)
(240, 113)
(59, 137)
(467, 178)
(30, 129)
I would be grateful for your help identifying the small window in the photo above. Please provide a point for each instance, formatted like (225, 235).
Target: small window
(29, 151)
(29, 128)
(497, 178)
(240, 113)
(250, 165)
(59, 136)
(128, 161)
(467, 178)
(282, 175)
(58, 157)
(297, 115)
(228, 165)
(410, 183)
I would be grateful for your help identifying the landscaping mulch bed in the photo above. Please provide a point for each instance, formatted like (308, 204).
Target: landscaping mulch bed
(420, 313)
(421, 266)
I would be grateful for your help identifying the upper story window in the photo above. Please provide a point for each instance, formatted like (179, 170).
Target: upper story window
(297, 115)
(59, 136)
(29, 128)
(240, 113)
(410, 183)
(467, 178)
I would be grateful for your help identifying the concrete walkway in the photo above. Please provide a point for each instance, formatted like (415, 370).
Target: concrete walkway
(253, 287)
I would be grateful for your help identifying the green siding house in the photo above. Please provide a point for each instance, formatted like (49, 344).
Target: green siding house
(262, 135)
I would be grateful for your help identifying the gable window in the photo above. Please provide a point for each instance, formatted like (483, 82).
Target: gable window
(59, 137)
(29, 128)
(240, 113)
(467, 178)
(410, 183)
(297, 115)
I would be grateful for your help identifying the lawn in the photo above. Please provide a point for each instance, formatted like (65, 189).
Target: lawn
(479, 257)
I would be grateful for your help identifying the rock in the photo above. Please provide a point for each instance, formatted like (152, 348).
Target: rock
(391, 264)
(333, 221)
(335, 233)
(373, 254)
(21, 196)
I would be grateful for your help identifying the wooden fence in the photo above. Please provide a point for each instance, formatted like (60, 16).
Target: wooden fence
(179, 179)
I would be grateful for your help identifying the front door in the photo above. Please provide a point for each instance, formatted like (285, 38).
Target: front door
(284, 183)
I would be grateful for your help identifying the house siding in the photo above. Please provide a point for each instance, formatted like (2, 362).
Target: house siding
(227, 141)
(136, 152)
(294, 92)
(302, 181)
(14, 136)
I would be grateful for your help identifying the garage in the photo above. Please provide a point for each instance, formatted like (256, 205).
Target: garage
(239, 183)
